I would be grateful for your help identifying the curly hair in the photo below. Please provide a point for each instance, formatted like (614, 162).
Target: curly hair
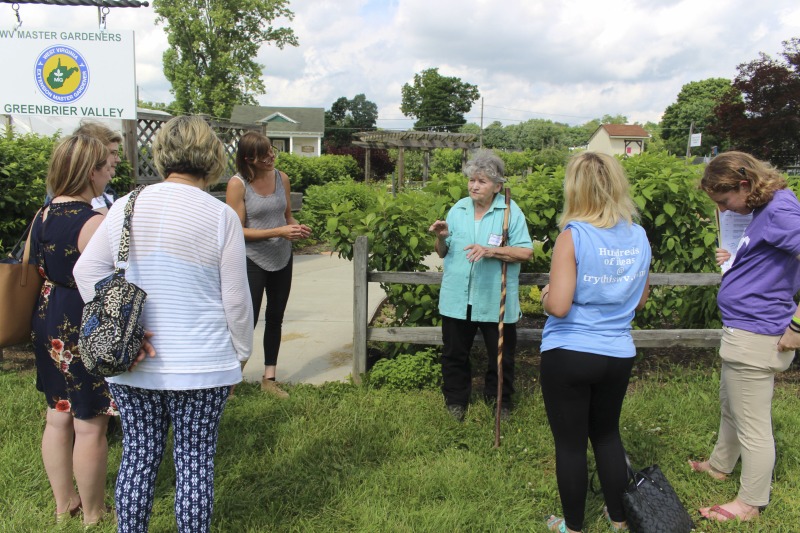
(596, 191)
(187, 145)
(486, 163)
(730, 170)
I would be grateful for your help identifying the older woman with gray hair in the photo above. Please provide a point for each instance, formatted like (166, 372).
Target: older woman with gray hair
(470, 242)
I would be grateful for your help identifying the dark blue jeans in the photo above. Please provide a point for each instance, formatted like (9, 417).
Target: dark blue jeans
(277, 285)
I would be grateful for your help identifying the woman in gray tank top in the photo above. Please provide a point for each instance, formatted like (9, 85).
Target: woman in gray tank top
(259, 194)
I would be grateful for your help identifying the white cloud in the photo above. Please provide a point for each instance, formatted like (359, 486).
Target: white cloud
(567, 61)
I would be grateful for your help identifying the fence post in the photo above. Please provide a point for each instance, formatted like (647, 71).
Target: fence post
(130, 137)
(360, 293)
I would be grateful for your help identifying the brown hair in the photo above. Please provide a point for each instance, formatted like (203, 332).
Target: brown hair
(727, 171)
(99, 131)
(72, 163)
(251, 145)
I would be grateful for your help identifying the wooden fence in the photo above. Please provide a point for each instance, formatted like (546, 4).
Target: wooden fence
(363, 333)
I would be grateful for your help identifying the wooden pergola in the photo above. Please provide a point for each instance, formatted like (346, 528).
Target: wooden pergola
(414, 140)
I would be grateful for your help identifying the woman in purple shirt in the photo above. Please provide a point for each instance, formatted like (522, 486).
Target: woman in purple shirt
(761, 324)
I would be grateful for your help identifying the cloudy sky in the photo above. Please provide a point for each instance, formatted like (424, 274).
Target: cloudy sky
(568, 61)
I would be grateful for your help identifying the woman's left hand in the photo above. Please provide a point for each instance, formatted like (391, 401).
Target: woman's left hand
(476, 252)
(147, 349)
(789, 341)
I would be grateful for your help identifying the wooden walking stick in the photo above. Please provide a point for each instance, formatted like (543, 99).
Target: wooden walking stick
(503, 270)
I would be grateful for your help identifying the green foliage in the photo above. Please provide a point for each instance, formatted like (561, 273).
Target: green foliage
(530, 301)
(437, 102)
(318, 199)
(24, 160)
(210, 62)
(696, 103)
(407, 372)
(347, 117)
(304, 172)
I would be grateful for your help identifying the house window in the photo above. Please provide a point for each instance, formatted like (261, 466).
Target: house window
(279, 144)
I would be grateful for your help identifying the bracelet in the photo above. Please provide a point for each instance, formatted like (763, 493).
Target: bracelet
(794, 327)
(541, 299)
(796, 320)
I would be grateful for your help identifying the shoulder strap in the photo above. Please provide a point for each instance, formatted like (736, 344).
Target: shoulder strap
(125, 235)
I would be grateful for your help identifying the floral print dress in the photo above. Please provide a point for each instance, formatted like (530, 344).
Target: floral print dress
(60, 373)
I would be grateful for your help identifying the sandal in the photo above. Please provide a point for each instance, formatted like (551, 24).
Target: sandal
(697, 466)
(71, 513)
(616, 526)
(728, 515)
(554, 523)
(108, 516)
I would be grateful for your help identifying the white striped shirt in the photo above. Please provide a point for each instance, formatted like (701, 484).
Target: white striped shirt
(187, 253)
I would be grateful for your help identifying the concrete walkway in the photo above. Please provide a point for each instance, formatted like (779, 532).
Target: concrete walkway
(317, 337)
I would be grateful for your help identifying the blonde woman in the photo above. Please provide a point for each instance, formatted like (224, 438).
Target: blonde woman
(598, 279)
(79, 404)
(187, 254)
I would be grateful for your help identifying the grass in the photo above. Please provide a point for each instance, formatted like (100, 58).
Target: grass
(346, 458)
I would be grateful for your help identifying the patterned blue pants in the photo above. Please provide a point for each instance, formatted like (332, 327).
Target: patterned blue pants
(146, 416)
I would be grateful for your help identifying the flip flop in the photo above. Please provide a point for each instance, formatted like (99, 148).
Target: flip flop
(554, 523)
(720, 511)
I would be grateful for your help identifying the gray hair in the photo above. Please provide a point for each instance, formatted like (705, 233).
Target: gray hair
(485, 162)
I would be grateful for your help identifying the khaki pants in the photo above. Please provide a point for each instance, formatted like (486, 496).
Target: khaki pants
(749, 364)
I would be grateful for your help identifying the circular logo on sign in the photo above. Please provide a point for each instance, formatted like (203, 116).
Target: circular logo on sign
(62, 74)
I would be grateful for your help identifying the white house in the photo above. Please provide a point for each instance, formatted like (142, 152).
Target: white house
(618, 139)
(296, 130)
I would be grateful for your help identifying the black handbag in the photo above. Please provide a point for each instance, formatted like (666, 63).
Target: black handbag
(111, 335)
(651, 504)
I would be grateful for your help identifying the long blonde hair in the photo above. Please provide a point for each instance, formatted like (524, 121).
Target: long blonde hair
(596, 191)
(72, 163)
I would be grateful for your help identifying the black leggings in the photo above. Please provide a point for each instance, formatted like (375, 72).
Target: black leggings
(277, 285)
(583, 394)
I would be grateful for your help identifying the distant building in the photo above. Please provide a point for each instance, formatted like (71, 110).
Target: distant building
(296, 130)
(618, 139)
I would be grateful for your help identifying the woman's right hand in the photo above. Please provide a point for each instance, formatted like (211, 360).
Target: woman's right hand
(722, 255)
(147, 349)
(440, 229)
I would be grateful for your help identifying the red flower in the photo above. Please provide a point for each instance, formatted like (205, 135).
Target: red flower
(66, 356)
(41, 273)
(63, 406)
(57, 345)
(46, 291)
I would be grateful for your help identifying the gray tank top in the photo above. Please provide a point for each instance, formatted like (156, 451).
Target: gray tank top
(266, 212)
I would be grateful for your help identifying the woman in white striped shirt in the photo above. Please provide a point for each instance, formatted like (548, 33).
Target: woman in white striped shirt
(187, 253)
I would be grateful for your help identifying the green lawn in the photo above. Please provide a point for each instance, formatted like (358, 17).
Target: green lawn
(348, 458)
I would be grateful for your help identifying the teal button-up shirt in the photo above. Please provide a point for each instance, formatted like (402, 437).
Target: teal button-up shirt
(485, 275)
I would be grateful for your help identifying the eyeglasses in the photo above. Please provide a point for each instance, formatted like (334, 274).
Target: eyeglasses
(270, 155)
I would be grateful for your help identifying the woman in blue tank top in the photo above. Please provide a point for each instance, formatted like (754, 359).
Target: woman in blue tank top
(598, 279)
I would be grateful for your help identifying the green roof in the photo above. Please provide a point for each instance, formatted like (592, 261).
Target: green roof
(282, 119)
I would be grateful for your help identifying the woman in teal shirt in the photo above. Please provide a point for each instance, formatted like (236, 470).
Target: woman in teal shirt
(469, 300)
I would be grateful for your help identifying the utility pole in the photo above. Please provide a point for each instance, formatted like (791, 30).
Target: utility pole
(689, 142)
(481, 144)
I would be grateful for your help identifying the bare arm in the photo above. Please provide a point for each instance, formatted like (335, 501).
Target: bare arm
(558, 294)
(441, 231)
(509, 254)
(234, 197)
(88, 230)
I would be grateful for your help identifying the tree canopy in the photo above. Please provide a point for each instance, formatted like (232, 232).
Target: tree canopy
(210, 62)
(761, 115)
(438, 102)
(696, 103)
(346, 117)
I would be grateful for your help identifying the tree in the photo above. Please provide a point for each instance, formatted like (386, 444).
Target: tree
(696, 103)
(347, 117)
(437, 102)
(210, 61)
(761, 115)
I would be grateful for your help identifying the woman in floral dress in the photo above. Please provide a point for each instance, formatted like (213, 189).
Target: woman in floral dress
(74, 445)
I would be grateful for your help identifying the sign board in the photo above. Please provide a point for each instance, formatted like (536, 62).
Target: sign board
(68, 73)
(695, 139)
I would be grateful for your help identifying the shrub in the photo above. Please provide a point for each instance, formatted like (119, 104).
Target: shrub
(304, 172)
(406, 372)
(23, 168)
